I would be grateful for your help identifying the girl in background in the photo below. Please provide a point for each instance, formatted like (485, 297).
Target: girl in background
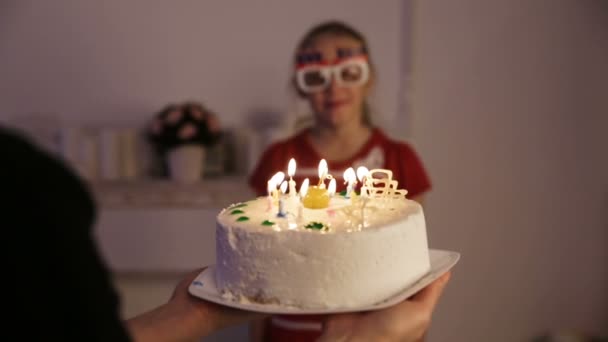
(334, 73)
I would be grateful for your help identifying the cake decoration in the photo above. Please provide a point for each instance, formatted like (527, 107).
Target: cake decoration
(267, 223)
(378, 188)
(316, 226)
(236, 211)
(242, 218)
(316, 198)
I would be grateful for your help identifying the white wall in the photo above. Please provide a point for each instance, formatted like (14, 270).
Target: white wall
(510, 114)
(120, 61)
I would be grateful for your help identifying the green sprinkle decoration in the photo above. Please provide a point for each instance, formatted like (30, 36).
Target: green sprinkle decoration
(236, 211)
(267, 223)
(343, 193)
(242, 218)
(316, 226)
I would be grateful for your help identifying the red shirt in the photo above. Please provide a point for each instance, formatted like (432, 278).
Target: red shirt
(378, 152)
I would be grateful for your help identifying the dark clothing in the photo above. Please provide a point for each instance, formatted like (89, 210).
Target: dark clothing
(58, 286)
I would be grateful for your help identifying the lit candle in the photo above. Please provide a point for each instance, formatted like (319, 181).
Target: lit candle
(282, 212)
(277, 179)
(362, 174)
(270, 188)
(291, 170)
(350, 178)
(303, 192)
(322, 173)
(304, 188)
(331, 189)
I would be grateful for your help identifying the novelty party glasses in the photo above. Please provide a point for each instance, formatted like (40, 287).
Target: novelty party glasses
(349, 72)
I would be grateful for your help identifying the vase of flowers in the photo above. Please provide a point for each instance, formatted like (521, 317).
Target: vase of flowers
(181, 133)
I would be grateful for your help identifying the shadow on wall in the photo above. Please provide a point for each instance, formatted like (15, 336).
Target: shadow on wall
(264, 119)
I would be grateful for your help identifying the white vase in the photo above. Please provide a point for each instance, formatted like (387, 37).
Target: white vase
(186, 163)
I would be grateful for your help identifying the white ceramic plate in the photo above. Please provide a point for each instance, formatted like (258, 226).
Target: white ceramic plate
(204, 287)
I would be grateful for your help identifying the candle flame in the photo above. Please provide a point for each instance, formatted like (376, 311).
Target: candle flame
(278, 178)
(291, 169)
(349, 175)
(271, 186)
(322, 172)
(362, 171)
(304, 187)
(331, 189)
(283, 187)
(322, 169)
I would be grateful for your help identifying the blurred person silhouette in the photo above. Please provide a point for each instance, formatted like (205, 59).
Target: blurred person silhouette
(334, 73)
(58, 287)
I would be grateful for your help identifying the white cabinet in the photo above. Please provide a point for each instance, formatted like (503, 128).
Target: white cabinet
(162, 226)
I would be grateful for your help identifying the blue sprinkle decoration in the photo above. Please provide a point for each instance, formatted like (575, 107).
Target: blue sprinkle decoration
(198, 283)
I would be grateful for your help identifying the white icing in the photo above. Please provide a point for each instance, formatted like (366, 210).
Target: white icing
(365, 255)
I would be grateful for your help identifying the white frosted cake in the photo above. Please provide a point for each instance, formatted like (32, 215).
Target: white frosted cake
(354, 252)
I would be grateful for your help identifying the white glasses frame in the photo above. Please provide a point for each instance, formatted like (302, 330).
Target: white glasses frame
(334, 71)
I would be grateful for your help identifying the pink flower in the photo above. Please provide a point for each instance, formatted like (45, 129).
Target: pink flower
(174, 116)
(197, 114)
(187, 132)
(156, 126)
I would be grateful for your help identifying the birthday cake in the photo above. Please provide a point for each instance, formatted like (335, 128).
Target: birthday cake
(315, 249)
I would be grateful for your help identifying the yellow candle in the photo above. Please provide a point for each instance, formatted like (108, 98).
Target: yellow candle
(316, 198)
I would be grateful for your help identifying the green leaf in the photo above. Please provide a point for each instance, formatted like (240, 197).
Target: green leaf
(242, 218)
(267, 223)
(236, 211)
(316, 226)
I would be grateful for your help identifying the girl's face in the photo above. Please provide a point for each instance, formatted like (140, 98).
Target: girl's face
(336, 104)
